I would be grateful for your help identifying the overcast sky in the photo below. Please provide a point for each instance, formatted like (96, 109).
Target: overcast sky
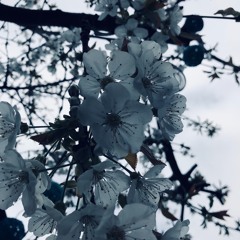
(218, 158)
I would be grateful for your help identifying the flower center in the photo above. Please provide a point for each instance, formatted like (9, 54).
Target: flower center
(147, 83)
(23, 177)
(105, 81)
(87, 220)
(113, 120)
(109, 7)
(130, 33)
(116, 233)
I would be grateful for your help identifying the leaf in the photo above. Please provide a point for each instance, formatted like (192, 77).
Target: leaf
(213, 76)
(49, 137)
(132, 160)
(167, 214)
(236, 79)
(220, 214)
(227, 12)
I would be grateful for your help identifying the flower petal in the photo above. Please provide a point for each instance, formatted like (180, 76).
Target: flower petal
(91, 111)
(89, 86)
(122, 65)
(95, 62)
(7, 112)
(135, 216)
(114, 97)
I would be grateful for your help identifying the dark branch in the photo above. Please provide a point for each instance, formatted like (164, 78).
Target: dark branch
(235, 68)
(34, 18)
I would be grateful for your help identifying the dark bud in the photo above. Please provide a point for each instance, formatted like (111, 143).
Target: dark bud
(74, 101)
(55, 192)
(193, 55)
(2, 214)
(74, 112)
(23, 127)
(60, 206)
(11, 229)
(74, 90)
(193, 24)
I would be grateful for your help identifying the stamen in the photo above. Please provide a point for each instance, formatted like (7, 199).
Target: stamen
(116, 233)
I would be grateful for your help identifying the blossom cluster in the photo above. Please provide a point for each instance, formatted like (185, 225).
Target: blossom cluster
(99, 186)
(18, 176)
(121, 91)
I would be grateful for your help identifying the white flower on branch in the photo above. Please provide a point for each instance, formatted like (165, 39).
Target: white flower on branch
(175, 16)
(147, 189)
(155, 78)
(131, 29)
(101, 72)
(177, 232)
(107, 7)
(169, 111)
(44, 221)
(103, 183)
(10, 122)
(116, 121)
(161, 39)
(83, 220)
(135, 221)
(18, 176)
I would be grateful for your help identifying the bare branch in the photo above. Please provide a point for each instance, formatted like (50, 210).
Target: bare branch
(34, 18)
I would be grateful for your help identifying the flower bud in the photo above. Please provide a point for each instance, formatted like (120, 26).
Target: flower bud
(74, 101)
(73, 90)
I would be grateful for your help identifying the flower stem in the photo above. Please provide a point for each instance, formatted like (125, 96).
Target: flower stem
(55, 167)
(130, 172)
(65, 184)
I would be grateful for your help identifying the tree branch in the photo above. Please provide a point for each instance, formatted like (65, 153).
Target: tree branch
(34, 18)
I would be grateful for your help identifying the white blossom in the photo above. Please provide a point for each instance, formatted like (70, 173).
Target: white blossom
(107, 7)
(101, 72)
(10, 122)
(175, 16)
(147, 189)
(72, 36)
(103, 183)
(149, 49)
(135, 221)
(83, 220)
(116, 121)
(18, 176)
(177, 232)
(155, 78)
(161, 39)
(131, 29)
(44, 221)
(169, 111)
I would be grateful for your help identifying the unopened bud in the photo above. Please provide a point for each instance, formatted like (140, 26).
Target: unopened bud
(74, 101)
(74, 90)
(24, 127)
(74, 112)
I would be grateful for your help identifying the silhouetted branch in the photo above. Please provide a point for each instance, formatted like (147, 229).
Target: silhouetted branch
(27, 17)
